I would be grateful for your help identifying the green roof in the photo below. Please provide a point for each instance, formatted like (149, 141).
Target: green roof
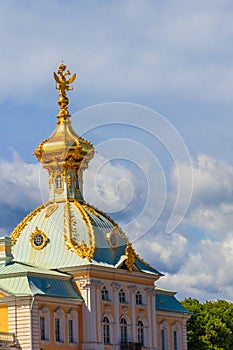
(31, 285)
(166, 302)
(20, 268)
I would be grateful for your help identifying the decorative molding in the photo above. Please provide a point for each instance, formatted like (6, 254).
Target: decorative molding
(51, 209)
(130, 257)
(16, 232)
(38, 239)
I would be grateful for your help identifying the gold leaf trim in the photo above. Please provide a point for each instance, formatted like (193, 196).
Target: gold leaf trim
(130, 257)
(86, 218)
(38, 232)
(16, 232)
(81, 250)
(51, 209)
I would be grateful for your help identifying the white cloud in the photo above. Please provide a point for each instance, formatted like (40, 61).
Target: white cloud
(21, 183)
(133, 46)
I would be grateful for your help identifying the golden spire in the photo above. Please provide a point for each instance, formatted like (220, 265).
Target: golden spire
(63, 85)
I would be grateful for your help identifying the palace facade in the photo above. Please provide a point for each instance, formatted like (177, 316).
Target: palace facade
(69, 277)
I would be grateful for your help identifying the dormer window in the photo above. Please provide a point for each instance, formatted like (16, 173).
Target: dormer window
(104, 293)
(58, 182)
(138, 298)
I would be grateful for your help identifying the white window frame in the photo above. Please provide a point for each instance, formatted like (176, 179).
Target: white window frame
(44, 312)
(73, 316)
(105, 294)
(106, 327)
(128, 324)
(122, 296)
(138, 298)
(176, 327)
(59, 314)
(164, 327)
(58, 181)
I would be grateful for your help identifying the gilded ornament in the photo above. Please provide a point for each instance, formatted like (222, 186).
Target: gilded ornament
(16, 232)
(130, 257)
(82, 250)
(38, 239)
(62, 86)
(69, 182)
(113, 238)
(51, 209)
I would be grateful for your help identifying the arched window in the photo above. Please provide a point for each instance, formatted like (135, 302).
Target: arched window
(44, 320)
(164, 336)
(59, 330)
(121, 296)
(124, 331)
(72, 327)
(106, 330)
(104, 293)
(58, 182)
(140, 329)
(176, 336)
(138, 298)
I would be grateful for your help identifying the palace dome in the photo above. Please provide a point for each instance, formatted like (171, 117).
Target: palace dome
(66, 231)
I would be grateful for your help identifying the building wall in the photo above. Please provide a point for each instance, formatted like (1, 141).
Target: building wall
(95, 309)
(3, 318)
(64, 313)
(170, 322)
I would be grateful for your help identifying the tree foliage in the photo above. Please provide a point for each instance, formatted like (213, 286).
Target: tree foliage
(210, 326)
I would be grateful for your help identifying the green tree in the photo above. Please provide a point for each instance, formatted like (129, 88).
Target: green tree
(210, 326)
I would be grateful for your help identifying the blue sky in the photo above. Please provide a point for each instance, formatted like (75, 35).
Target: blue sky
(174, 57)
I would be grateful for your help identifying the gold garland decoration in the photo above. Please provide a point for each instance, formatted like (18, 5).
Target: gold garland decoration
(16, 232)
(83, 250)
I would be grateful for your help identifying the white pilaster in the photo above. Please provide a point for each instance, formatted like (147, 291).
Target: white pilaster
(133, 306)
(115, 288)
(90, 341)
(154, 323)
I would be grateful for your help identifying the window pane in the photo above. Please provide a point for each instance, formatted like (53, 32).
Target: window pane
(140, 333)
(175, 340)
(124, 335)
(57, 329)
(42, 328)
(104, 294)
(106, 330)
(138, 298)
(58, 182)
(163, 339)
(122, 296)
(71, 331)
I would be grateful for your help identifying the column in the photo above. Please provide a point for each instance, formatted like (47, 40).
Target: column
(154, 323)
(89, 316)
(116, 339)
(133, 306)
(184, 334)
(149, 304)
(98, 285)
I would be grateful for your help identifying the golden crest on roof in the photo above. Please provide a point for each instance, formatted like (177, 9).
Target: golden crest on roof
(62, 86)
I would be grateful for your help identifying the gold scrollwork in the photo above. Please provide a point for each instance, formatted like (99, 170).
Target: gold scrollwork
(130, 257)
(16, 232)
(113, 238)
(82, 250)
(51, 209)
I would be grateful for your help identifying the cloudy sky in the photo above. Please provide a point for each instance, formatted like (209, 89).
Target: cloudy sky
(169, 67)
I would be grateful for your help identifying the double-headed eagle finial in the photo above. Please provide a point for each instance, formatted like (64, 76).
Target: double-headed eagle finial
(62, 86)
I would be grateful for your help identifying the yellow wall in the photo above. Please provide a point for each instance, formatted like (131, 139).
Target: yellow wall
(170, 320)
(52, 345)
(3, 318)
